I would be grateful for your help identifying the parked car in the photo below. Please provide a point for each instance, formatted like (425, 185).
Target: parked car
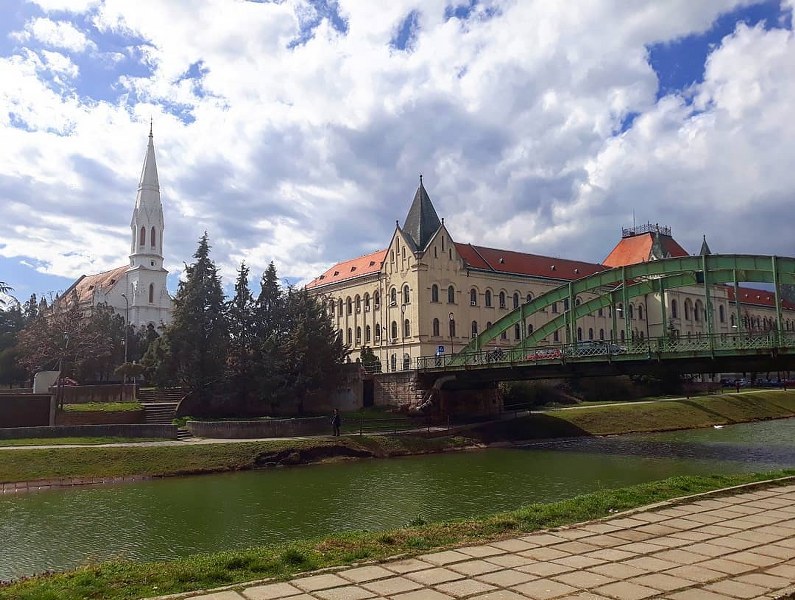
(595, 348)
(544, 354)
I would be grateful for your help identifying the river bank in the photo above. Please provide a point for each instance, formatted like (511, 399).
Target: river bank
(117, 580)
(30, 469)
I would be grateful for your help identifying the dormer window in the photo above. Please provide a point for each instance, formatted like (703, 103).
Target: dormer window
(142, 237)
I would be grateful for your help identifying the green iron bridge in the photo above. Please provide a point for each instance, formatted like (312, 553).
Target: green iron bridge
(740, 349)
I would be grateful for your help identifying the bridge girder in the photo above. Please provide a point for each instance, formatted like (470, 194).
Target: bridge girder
(637, 280)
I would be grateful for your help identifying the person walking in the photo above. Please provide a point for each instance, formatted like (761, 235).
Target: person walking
(336, 421)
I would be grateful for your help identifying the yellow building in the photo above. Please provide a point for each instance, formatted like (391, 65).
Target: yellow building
(427, 293)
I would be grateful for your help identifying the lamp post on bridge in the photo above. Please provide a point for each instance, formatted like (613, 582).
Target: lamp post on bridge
(450, 323)
(126, 334)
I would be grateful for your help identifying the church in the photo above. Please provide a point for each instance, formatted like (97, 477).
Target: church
(137, 291)
(427, 293)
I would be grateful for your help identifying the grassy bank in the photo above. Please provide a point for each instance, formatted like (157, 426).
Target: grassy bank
(103, 407)
(611, 419)
(83, 441)
(155, 461)
(125, 580)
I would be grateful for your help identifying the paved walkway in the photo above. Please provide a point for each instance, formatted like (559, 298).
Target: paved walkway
(714, 547)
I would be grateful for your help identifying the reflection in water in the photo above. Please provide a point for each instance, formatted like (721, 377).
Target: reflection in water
(164, 519)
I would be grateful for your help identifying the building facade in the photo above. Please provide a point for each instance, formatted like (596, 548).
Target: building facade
(137, 291)
(427, 293)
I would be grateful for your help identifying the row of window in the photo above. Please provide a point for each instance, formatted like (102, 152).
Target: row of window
(368, 333)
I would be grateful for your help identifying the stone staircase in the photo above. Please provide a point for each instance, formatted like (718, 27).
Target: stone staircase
(159, 413)
(160, 395)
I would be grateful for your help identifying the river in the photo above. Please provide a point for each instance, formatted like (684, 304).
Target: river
(170, 518)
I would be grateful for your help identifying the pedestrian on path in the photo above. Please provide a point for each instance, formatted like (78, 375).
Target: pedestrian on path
(336, 421)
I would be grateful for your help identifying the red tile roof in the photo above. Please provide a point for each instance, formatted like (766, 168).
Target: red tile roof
(758, 297)
(636, 249)
(356, 267)
(519, 263)
(88, 285)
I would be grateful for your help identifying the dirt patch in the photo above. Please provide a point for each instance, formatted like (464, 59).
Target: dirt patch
(306, 456)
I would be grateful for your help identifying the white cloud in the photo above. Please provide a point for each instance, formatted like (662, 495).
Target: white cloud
(56, 34)
(72, 6)
(307, 154)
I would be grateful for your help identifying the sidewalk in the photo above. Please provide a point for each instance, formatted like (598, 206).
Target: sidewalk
(715, 547)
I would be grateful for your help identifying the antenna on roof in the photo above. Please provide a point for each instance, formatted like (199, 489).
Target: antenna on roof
(420, 178)
(633, 218)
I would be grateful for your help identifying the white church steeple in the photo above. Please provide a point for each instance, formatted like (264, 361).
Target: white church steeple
(146, 249)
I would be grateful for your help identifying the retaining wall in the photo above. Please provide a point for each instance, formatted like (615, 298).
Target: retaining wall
(270, 428)
(105, 392)
(168, 432)
(98, 417)
(24, 410)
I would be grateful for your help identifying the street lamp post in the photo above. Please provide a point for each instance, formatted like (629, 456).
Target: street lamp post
(126, 331)
(451, 318)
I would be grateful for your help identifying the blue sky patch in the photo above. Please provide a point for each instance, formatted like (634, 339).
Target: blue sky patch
(406, 33)
(680, 63)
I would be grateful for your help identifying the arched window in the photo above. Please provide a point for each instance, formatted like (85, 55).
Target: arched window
(502, 299)
(565, 304)
(358, 302)
(436, 327)
(367, 333)
(631, 312)
(434, 293)
(394, 330)
(622, 335)
(393, 296)
(529, 298)
(473, 297)
(358, 335)
(590, 333)
(378, 331)
(349, 337)
(721, 314)
(474, 328)
(555, 336)
(367, 302)
(488, 324)
(435, 253)
(406, 328)
(517, 332)
(487, 296)
(442, 243)
(601, 334)
(579, 334)
(577, 302)
(377, 299)
(554, 307)
(732, 322)
(142, 240)
(640, 312)
(600, 312)
(503, 335)
(151, 293)
(451, 295)
(331, 306)
(406, 296)
(393, 360)
(697, 311)
(674, 311)
(516, 299)
(153, 237)
(451, 328)
(529, 328)
(340, 307)
(687, 309)
(350, 305)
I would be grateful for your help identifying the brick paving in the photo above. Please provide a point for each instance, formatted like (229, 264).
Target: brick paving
(740, 546)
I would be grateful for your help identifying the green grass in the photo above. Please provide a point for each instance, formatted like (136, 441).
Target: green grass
(703, 411)
(48, 463)
(84, 441)
(103, 407)
(123, 580)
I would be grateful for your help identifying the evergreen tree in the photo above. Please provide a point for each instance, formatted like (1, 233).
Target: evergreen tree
(313, 350)
(269, 325)
(197, 336)
(240, 359)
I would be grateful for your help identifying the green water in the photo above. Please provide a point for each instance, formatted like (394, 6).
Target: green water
(169, 518)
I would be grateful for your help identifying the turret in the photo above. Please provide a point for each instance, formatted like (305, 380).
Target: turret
(146, 249)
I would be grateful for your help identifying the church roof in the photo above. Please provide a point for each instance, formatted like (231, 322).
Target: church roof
(421, 221)
(520, 263)
(356, 267)
(634, 249)
(101, 283)
(758, 297)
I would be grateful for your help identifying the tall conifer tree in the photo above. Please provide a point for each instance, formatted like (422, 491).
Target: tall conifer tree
(240, 360)
(197, 335)
(269, 324)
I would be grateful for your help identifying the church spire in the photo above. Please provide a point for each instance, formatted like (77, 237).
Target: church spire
(147, 223)
(705, 251)
(421, 221)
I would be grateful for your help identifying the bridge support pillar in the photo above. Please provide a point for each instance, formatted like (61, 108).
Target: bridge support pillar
(483, 400)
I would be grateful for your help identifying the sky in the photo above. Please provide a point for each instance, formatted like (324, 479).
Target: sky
(295, 131)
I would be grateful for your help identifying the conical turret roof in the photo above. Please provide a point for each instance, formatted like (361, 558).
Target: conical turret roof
(421, 221)
(705, 251)
(147, 200)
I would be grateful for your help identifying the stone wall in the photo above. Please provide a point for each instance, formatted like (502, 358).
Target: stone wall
(128, 431)
(394, 389)
(98, 417)
(266, 428)
(24, 410)
(106, 392)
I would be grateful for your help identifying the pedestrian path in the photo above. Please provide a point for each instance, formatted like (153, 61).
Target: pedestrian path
(725, 546)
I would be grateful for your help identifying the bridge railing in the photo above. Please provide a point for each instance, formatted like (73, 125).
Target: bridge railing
(608, 351)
